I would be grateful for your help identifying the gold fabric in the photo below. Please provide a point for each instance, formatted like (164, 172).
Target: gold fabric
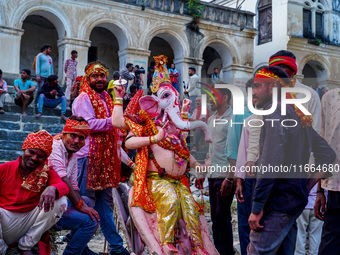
(174, 201)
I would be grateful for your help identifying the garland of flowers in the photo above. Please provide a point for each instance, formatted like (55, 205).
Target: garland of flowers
(305, 120)
(181, 152)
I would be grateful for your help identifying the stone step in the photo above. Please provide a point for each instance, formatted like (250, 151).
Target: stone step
(9, 155)
(10, 145)
(31, 110)
(21, 134)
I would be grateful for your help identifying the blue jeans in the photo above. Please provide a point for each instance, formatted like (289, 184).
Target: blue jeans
(52, 103)
(277, 237)
(82, 225)
(243, 213)
(103, 205)
(174, 84)
(39, 85)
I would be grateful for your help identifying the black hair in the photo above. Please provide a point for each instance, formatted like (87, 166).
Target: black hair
(116, 75)
(137, 66)
(279, 72)
(128, 65)
(192, 69)
(46, 47)
(250, 83)
(28, 71)
(0, 71)
(74, 52)
(224, 92)
(285, 53)
(133, 88)
(52, 77)
(77, 118)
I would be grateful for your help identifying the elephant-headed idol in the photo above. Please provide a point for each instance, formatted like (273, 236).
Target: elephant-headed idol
(160, 201)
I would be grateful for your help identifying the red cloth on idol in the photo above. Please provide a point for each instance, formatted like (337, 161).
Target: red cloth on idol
(15, 198)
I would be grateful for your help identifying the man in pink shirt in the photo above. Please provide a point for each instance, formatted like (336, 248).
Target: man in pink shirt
(70, 69)
(99, 160)
(79, 217)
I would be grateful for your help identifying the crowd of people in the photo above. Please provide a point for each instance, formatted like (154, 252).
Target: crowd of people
(277, 213)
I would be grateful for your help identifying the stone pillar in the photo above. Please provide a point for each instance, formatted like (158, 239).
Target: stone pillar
(182, 66)
(136, 57)
(10, 39)
(65, 46)
(238, 75)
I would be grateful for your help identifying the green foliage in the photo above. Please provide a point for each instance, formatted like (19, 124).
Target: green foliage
(195, 8)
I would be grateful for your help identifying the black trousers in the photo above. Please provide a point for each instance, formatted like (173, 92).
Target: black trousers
(221, 217)
(330, 239)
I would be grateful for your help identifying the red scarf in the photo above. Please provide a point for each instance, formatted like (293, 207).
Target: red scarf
(104, 154)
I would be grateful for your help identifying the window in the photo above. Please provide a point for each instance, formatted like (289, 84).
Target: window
(265, 21)
(313, 19)
(319, 25)
(307, 23)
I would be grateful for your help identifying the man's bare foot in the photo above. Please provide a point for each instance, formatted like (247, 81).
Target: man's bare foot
(24, 114)
(38, 115)
(29, 252)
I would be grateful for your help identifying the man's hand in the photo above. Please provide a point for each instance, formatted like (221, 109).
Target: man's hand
(239, 191)
(226, 187)
(90, 211)
(47, 198)
(119, 90)
(185, 92)
(38, 78)
(2, 91)
(320, 205)
(250, 168)
(254, 221)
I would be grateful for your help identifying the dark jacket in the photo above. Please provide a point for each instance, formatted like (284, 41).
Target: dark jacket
(290, 147)
(47, 88)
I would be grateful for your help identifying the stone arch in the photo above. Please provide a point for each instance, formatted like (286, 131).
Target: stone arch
(51, 12)
(315, 70)
(314, 57)
(178, 42)
(116, 27)
(225, 49)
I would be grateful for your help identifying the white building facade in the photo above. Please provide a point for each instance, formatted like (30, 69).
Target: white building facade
(308, 28)
(118, 32)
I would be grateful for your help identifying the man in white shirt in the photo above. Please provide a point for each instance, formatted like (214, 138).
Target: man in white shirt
(193, 88)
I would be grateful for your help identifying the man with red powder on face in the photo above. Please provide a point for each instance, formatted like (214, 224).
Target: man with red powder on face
(31, 195)
(99, 161)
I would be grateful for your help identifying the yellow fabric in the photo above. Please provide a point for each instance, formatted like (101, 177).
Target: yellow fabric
(111, 86)
(174, 201)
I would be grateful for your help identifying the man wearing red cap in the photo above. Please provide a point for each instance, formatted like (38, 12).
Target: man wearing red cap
(99, 161)
(280, 196)
(286, 60)
(31, 195)
(79, 217)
